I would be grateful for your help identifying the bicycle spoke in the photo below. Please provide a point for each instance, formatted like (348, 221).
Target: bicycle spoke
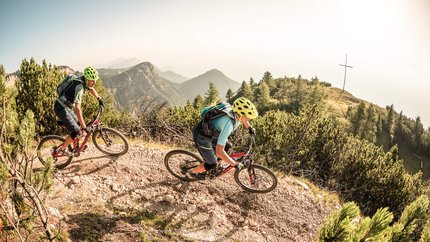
(256, 179)
(180, 162)
(110, 141)
(45, 151)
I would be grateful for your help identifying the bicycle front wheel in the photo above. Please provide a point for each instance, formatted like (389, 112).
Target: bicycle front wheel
(180, 162)
(256, 179)
(46, 147)
(110, 141)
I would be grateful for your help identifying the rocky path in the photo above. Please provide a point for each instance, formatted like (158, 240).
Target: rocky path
(134, 198)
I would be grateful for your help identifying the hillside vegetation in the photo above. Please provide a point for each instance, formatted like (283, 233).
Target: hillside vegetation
(354, 152)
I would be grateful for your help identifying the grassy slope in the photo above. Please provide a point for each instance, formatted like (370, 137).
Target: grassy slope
(338, 109)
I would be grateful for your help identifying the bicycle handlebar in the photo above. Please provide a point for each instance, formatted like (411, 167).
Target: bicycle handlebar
(99, 112)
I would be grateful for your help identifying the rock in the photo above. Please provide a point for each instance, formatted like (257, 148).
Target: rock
(168, 198)
(114, 187)
(75, 180)
(306, 187)
(55, 212)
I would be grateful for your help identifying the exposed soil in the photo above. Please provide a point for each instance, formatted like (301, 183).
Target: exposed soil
(134, 198)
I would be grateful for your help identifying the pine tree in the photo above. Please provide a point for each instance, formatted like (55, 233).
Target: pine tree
(368, 131)
(229, 95)
(245, 91)
(211, 96)
(283, 90)
(298, 93)
(398, 129)
(263, 97)
(374, 229)
(412, 220)
(357, 119)
(198, 102)
(425, 235)
(36, 92)
(379, 126)
(388, 124)
(339, 226)
(315, 80)
(2, 80)
(417, 135)
(252, 83)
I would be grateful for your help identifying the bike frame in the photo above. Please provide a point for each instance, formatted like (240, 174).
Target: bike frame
(239, 157)
(94, 123)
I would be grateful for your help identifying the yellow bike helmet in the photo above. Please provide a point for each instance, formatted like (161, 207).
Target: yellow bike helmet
(244, 107)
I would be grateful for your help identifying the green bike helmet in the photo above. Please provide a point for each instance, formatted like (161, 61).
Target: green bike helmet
(91, 74)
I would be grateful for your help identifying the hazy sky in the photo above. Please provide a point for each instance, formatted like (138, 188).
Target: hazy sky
(387, 41)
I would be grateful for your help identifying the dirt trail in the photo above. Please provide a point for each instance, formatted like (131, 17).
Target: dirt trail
(134, 198)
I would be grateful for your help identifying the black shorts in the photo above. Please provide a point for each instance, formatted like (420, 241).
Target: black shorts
(68, 117)
(206, 145)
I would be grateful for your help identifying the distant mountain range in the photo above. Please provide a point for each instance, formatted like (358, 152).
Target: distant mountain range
(119, 63)
(174, 77)
(131, 86)
(200, 84)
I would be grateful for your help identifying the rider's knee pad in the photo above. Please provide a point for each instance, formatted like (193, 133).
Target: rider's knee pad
(209, 167)
(74, 134)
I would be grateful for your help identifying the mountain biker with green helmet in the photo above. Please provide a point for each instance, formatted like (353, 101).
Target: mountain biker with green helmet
(68, 108)
(242, 111)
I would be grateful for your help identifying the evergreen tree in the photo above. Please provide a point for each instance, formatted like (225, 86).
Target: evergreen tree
(412, 221)
(245, 91)
(398, 129)
(417, 135)
(229, 95)
(339, 226)
(2, 80)
(315, 80)
(36, 92)
(198, 102)
(388, 124)
(374, 229)
(211, 96)
(357, 119)
(379, 126)
(298, 93)
(283, 90)
(425, 235)
(263, 97)
(368, 131)
(252, 83)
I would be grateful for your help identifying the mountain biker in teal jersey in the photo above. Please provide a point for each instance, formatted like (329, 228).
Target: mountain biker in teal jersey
(243, 110)
(68, 104)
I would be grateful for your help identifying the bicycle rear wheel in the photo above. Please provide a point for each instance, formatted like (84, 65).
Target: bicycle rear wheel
(45, 148)
(256, 179)
(179, 162)
(110, 141)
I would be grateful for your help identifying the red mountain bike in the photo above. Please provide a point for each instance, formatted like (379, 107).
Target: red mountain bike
(107, 140)
(252, 177)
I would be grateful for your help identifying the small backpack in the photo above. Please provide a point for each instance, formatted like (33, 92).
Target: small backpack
(213, 112)
(67, 83)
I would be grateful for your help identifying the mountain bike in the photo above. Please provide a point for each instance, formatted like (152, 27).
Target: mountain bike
(252, 177)
(109, 141)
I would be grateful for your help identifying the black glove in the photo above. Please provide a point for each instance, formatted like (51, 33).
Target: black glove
(251, 131)
(88, 130)
(101, 103)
